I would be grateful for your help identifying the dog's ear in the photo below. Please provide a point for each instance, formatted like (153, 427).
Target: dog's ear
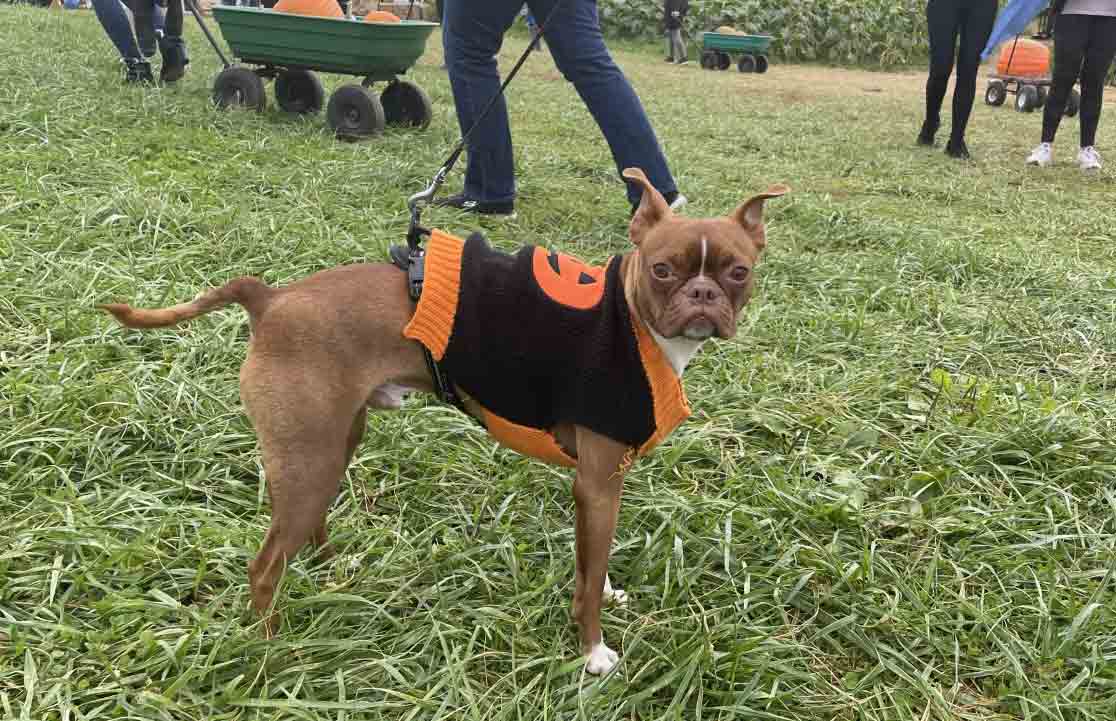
(750, 213)
(652, 209)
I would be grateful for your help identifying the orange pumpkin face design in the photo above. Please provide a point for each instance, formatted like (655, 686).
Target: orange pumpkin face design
(567, 280)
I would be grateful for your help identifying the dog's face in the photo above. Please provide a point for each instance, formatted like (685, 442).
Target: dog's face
(694, 275)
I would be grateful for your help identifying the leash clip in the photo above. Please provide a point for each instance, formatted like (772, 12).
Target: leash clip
(415, 233)
(416, 256)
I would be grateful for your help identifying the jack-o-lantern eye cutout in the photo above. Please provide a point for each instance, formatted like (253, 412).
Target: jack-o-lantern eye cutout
(567, 280)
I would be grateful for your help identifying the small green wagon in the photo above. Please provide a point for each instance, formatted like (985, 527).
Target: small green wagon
(717, 50)
(291, 48)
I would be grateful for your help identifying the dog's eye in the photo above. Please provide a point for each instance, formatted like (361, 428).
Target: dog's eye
(661, 271)
(739, 274)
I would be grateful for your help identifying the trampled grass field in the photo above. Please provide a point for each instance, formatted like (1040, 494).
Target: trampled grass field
(896, 498)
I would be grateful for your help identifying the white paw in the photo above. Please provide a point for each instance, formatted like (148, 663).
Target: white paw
(613, 596)
(601, 660)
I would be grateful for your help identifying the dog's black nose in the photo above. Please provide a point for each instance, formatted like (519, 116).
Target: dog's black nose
(704, 293)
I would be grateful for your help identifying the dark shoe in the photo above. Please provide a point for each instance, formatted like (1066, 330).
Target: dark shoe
(175, 60)
(956, 148)
(138, 71)
(926, 135)
(674, 199)
(504, 208)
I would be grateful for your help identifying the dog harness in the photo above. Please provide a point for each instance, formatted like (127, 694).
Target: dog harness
(538, 339)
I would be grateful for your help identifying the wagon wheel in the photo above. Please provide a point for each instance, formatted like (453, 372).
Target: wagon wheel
(299, 91)
(709, 59)
(723, 60)
(761, 64)
(1073, 104)
(996, 93)
(239, 87)
(355, 113)
(746, 64)
(406, 104)
(1026, 99)
(1041, 96)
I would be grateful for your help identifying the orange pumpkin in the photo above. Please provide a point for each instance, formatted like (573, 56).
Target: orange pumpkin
(381, 16)
(317, 8)
(1031, 59)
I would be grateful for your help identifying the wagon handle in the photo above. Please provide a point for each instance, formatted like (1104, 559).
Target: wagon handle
(192, 6)
(1012, 56)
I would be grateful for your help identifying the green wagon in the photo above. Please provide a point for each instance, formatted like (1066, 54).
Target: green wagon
(717, 50)
(291, 49)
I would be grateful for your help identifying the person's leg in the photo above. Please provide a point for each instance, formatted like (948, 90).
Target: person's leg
(143, 12)
(682, 55)
(1098, 58)
(172, 45)
(976, 26)
(159, 20)
(942, 21)
(1071, 36)
(677, 47)
(114, 19)
(472, 33)
(577, 45)
(172, 25)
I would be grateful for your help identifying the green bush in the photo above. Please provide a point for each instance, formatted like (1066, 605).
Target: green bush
(873, 32)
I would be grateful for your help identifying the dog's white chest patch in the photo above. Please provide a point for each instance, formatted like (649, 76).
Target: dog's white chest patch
(679, 351)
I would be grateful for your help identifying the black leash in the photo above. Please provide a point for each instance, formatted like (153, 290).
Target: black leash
(416, 232)
(415, 260)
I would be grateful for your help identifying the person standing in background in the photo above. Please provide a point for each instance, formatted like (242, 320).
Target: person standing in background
(1084, 47)
(971, 21)
(674, 15)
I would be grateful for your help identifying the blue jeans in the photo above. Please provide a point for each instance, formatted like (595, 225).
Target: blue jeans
(472, 32)
(114, 19)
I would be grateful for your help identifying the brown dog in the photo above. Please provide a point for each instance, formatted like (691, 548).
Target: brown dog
(326, 349)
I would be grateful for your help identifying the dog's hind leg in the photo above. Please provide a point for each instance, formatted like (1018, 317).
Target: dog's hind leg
(307, 433)
(302, 486)
(323, 549)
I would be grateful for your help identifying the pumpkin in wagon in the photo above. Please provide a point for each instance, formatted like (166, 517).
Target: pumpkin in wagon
(1025, 58)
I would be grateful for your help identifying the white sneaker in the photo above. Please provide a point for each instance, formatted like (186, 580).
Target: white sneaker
(1041, 156)
(680, 201)
(1089, 158)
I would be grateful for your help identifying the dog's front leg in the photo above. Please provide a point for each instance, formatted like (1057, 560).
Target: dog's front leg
(600, 474)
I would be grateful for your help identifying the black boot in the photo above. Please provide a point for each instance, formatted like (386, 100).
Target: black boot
(175, 59)
(138, 71)
(926, 135)
(956, 148)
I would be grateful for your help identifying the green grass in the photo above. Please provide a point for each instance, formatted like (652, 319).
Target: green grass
(896, 498)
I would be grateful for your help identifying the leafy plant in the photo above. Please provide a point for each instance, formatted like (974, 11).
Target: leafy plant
(861, 32)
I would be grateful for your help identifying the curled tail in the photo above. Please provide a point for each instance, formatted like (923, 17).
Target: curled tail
(251, 293)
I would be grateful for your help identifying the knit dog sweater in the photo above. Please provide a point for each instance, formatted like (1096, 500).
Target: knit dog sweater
(537, 339)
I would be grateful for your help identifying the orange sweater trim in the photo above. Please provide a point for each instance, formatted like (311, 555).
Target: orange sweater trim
(432, 323)
(531, 442)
